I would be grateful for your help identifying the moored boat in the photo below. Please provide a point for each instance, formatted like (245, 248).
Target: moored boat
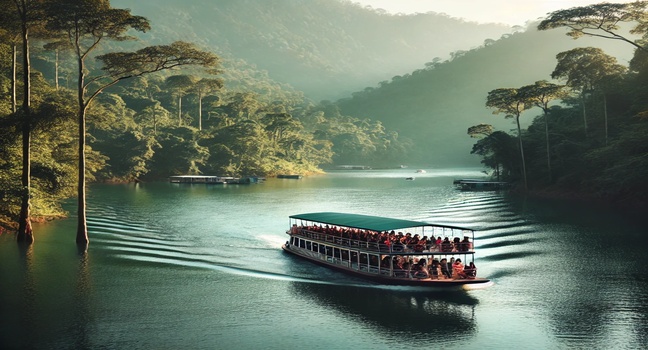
(289, 176)
(480, 185)
(387, 251)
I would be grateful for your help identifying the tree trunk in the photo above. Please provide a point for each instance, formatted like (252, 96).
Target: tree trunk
(14, 104)
(82, 226)
(605, 114)
(199, 111)
(524, 175)
(56, 69)
(180, 110)
(25, 233)
(584, 113)
(546, 118)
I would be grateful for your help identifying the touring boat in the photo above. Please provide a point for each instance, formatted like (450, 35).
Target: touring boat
(385, 250)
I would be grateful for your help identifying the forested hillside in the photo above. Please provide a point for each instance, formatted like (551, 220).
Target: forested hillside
(436, 104)
(325, 48)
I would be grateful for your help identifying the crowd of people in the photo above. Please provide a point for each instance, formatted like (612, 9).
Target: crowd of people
(407, 266)
(398, 242)
(443, 269)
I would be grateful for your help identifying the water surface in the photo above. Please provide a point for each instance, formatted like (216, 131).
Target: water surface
(200, 266)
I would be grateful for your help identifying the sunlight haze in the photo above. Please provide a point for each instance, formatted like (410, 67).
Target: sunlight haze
(483, 11)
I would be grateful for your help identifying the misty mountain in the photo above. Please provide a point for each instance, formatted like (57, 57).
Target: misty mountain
(325, 48)
(436, 105)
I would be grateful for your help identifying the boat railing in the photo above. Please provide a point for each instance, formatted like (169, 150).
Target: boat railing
(379, 247)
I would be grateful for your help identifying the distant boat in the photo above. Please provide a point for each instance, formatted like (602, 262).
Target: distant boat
(410, 178)
(353, 167)
(421, 171)
(480, 185)
(289, 176)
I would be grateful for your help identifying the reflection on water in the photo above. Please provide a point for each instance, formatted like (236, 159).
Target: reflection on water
(160, 255)
(416, 314)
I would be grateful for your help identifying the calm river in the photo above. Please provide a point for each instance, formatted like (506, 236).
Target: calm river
(200, 267)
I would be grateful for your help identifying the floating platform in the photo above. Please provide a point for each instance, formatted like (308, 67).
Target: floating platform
(216, 180)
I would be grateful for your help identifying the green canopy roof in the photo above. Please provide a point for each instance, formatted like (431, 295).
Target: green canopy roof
(365, 222)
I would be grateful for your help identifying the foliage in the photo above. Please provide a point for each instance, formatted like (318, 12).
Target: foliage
(601, 20)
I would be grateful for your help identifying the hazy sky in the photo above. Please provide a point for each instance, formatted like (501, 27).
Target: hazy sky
(512, 12)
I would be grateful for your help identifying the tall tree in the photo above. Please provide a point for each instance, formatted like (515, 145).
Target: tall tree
(87, 23)
(57, 47)
(10, 33)
(180, 85)
(203, 88)
(540, 95)
(587, 69)
(510, 102)
(23, 14)
(602, 20)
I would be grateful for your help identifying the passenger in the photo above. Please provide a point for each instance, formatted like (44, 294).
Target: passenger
(458, 269)
(421, 245)
(450, 263)
(471, 270)
(465, 245)
(444, 268)
(446, 245)
(434, 269)
(456, 242)
(384, 263)
(419, 270)
(294, 230)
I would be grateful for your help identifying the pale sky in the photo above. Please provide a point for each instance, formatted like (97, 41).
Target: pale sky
(511, 12)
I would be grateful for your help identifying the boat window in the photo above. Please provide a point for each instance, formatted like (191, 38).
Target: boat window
(354, 256)
(373, 260)
(302, 243)
(329, 251)
(315, 247)
(345, 255)
(308, 245)
(322, 249)
(336, 252)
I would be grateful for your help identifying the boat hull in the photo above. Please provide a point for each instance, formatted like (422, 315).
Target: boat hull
(380, 279)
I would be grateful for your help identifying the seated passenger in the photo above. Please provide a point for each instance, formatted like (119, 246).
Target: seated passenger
(434, 269)
(471, 271)
(419, 270)
(384, 263)
(422, 245)
(456, 242)
(444, 268)
(465, 245)
(446, 245)
(458, 269)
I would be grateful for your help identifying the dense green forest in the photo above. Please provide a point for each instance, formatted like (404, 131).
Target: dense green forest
(143, 119)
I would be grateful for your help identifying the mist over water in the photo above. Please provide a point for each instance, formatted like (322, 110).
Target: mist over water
(199, 266)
